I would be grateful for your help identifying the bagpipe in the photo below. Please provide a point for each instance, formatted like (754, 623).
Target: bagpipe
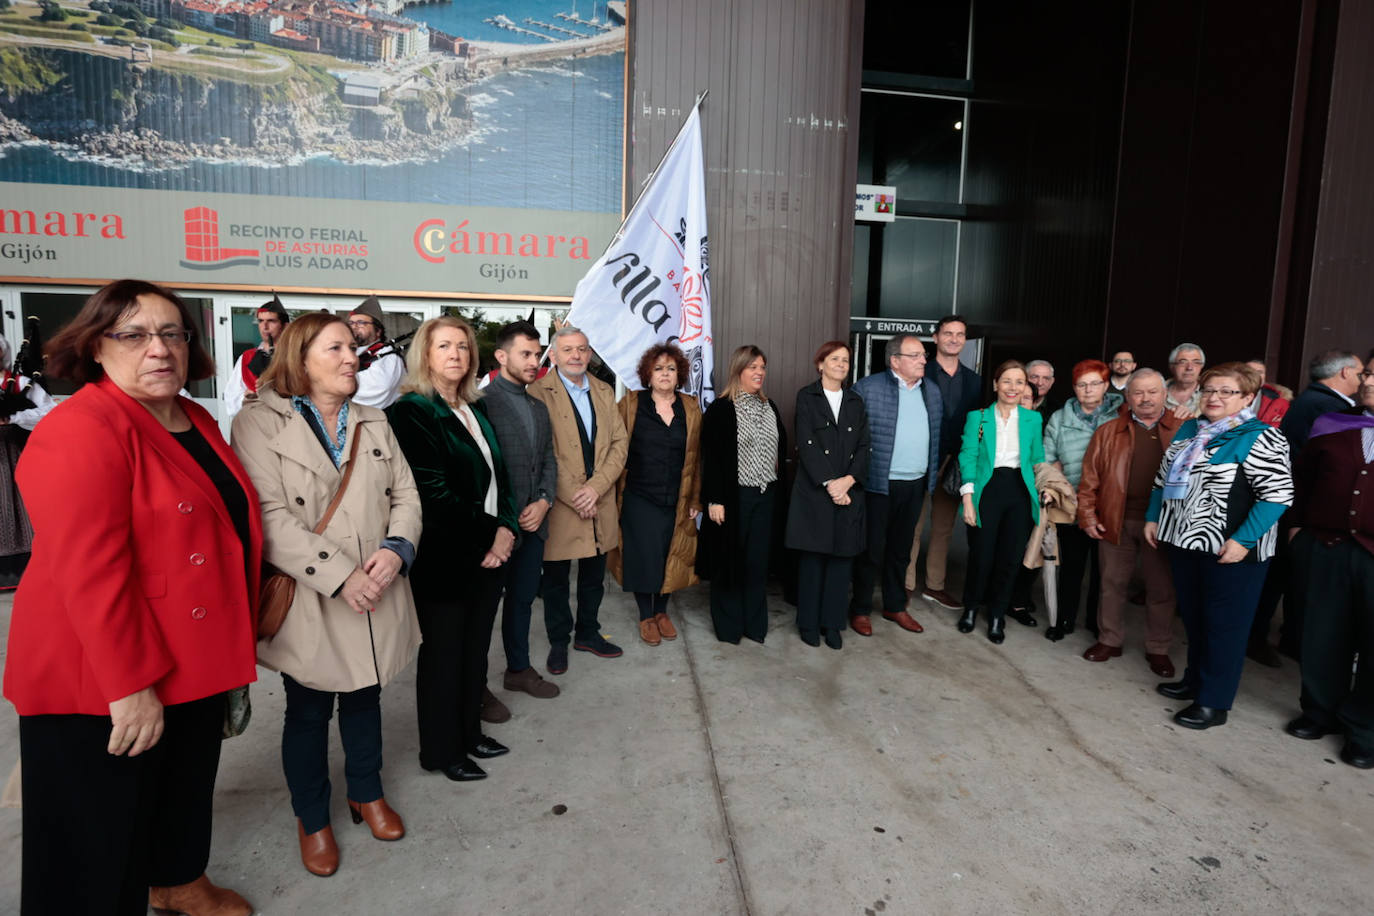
(28, 362)
(385, 347)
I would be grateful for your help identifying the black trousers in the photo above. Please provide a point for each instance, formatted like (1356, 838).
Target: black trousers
(522, 573)
(556, 588)
(740, 608)
(1280, 585)
(1337, 584)
(822, 587)
(305, 747)
(998, 543)
(1077, 553)
(99, 830)
(891, 522)
(452, 670)
(1217, 604)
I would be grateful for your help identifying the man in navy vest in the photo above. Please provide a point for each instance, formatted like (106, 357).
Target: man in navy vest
(904, 419)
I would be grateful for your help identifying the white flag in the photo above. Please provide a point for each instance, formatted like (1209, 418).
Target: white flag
(653, 282)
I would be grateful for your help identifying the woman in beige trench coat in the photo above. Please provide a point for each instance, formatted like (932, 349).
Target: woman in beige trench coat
(352, 625)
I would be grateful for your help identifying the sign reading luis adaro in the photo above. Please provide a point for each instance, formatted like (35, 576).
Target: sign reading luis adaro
(54, 232)
(426, 148)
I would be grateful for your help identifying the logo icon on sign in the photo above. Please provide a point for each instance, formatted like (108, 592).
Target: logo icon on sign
(203, 251)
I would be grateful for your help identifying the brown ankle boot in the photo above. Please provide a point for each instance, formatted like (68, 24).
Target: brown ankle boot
(384, 822)
(199, 898)
(319, 852)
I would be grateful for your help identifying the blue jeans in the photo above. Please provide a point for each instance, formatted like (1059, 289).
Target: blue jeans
(522, 583)
(1217, 604)
(305, 748)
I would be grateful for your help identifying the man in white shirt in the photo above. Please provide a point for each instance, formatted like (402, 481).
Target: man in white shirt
(381, 368)
(271, 318)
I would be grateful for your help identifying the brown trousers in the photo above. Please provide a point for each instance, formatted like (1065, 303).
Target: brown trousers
(943, 510)
(1118, 562)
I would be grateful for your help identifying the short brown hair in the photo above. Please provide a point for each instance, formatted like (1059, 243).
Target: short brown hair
(651, 356)
(825, 349)
(71, 352)
(418, 378)
(1247, 378)
(1007, 366)
(739, 361)
(286, 373)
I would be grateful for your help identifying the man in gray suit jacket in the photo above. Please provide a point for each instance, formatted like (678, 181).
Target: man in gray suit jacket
(525, 435)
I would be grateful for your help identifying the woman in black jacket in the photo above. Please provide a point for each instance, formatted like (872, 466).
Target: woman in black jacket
(469, 532)
(825, 518)
(741, 460)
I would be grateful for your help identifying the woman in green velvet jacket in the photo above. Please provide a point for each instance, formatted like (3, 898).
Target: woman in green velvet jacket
(469, 530)
(1002, 444)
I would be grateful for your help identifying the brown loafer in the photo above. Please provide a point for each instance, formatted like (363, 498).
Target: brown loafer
(665, 626)
(1160, 665)
(199, 898)
(648, 631)
(905, 621)
(319, 852)
(861, 624)
(943, 598)
(530, 682)
(381, 818)
(493, 710)
(1100, 652)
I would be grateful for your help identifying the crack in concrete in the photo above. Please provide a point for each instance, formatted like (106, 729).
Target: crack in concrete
(741, 883)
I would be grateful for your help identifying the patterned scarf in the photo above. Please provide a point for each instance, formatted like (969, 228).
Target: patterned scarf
(1176, 484)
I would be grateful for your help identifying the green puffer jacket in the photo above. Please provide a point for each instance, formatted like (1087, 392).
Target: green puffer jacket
(1068, 433)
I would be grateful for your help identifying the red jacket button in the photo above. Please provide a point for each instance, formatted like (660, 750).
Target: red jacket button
(198, 613)
(197, 559)
(184, 507)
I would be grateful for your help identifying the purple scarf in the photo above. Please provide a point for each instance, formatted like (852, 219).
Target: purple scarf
(1340, 422)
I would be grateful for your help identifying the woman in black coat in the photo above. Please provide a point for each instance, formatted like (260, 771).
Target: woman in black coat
(825, 519)
(741, 463)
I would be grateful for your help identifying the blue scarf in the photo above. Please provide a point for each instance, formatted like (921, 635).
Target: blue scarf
(1176, 483)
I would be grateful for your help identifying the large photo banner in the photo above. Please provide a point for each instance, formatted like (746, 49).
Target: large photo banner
(450, 147)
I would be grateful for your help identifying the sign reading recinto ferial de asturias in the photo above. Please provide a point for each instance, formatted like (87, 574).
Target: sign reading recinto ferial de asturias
(422, 147)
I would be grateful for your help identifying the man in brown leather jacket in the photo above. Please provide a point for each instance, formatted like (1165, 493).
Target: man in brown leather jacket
(1118, 473)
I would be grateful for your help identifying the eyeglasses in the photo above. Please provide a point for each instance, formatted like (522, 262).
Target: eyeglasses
(137, 340)
(1225, 393)
(1088, 386)
(912, 355)
(1124, 362)
(361, 323)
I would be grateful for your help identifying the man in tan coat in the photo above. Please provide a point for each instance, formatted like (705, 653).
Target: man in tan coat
(590, 444)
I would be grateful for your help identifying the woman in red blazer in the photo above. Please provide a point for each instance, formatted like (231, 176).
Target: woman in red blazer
(135, 615)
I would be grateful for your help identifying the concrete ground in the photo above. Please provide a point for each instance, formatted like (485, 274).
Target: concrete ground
(932, 773)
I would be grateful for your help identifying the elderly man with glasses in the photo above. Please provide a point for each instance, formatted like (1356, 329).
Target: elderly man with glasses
(904, 420)
(1186, 362)
(381, 366)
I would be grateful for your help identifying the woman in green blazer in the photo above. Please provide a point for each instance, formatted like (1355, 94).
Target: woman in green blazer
(1002, 445)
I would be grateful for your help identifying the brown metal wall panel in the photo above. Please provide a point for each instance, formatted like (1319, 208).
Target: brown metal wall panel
(783, 80)
(1339, 308)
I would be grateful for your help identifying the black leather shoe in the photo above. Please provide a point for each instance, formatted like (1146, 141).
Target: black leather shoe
(810, 638)
(1357, 755)
(464, 771)
(486, 748)
(997, 629)
(1200, 717)
(1054, 633)
(1308, 728)
(967, 621)
(1177, 690)
(834, 639)
(1068, 627)
(1023, 616)
(558, 659)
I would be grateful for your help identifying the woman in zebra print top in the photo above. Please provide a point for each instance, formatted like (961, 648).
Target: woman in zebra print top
(1217, 499)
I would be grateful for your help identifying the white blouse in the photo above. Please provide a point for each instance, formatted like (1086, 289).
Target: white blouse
(464, 413)
(1008, 439)
(834, 397)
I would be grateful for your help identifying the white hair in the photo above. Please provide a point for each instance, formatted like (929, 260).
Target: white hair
(1173, 354)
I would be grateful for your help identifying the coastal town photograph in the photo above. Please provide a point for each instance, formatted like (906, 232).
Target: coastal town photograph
(455, 102)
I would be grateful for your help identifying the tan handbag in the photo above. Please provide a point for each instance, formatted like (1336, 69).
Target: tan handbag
(278, 589)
